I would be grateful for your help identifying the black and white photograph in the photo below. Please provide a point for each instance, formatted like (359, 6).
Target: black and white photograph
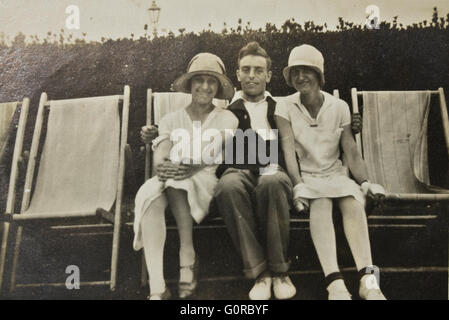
(206, 151)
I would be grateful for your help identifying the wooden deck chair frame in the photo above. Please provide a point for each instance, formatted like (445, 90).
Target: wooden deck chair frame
(10, 202)
(444, 114)
(117, 221)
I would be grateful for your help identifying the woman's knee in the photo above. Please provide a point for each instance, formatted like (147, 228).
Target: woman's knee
(321, 207)
(174, 194)
(350, 206)
(150, 220)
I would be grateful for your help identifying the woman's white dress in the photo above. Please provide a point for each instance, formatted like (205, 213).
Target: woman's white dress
(200, 186)
(317, 145)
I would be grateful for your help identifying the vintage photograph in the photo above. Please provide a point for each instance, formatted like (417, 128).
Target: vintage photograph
(224, 150)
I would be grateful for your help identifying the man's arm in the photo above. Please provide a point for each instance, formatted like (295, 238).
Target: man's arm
(148, 133)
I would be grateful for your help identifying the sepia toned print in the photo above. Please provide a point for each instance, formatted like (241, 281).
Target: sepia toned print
(232, 150)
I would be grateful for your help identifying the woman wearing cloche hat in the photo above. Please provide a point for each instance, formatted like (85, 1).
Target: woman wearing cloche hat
(312, 125)
(185, 184)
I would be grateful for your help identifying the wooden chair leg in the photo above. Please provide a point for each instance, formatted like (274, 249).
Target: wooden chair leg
(143, 272)
(114, 259)
(4, 249)
(15, 261)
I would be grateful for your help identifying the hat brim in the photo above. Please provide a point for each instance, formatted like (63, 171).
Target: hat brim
(227, 88)
(286, 71)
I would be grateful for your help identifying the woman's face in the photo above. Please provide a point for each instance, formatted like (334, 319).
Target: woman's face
(204, 88)
(304, 79)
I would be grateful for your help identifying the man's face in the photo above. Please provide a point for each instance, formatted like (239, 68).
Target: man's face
(304, 79)
(253, 75)
(204, 88)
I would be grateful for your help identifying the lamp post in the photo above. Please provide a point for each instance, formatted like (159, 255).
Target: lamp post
(154, 12)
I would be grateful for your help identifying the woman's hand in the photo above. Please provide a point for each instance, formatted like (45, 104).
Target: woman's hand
(148, 133)
(375, 192)
(166, 170)
(186, 171)
(301, 204)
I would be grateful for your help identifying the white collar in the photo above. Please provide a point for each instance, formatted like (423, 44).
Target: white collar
(239, 95)
(295, 98)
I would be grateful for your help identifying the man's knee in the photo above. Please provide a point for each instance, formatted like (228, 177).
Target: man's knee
(229, 185)
(278, 182)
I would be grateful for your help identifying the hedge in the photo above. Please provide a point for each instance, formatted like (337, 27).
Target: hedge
(393, 57)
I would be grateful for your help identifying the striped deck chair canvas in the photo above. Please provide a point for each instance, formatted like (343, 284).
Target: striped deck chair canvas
(394, 141)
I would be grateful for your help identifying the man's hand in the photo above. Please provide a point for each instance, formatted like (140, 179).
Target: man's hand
(356, 123)
(148, 133)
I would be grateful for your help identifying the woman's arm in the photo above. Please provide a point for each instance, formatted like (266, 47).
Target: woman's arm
(165, 169)
(162, 152)
(355, 161)
(288, 148)
(358, 169)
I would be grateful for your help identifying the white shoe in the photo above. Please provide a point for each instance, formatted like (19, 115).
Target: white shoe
(337, 291)
(339, 295)
(369, 288)
(261, 289)
(283, 287)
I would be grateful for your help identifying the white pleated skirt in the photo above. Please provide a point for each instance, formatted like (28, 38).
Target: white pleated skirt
(331, 185)
(199, 187)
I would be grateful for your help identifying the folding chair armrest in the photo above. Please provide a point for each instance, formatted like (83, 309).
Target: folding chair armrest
(417, 196)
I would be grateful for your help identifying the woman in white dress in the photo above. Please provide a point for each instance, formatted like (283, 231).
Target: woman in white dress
(185, 182)
(313, 125)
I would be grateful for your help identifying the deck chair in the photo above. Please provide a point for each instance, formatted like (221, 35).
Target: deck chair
(89, 135)
(394, 141)
(7, 111)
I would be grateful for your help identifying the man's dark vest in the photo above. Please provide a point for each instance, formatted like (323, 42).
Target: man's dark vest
(239, 110)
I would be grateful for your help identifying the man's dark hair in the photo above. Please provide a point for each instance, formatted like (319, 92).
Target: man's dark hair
(254, 49)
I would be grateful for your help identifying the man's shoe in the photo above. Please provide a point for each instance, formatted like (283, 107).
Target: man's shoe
(283, 287)
(261, 289)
